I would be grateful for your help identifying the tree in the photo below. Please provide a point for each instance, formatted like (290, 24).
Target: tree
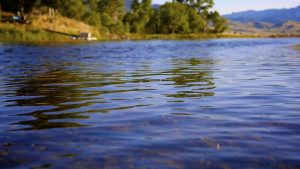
(219, 23)
(112, 13)
(139, 16)
(135, 5)
(92, 4)
(92, 18)
(196, 21)
(0, 12)
(174, 18)
(73, 9)
(154, 24)
(202, 5)
(114, 8)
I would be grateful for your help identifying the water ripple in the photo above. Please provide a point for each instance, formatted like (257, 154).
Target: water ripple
(224, 103)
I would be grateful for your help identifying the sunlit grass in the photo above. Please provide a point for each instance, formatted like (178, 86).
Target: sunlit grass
(45, 29)
(13, 33)
(60, 29)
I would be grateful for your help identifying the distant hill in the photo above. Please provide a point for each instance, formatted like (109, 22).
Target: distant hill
(285, 21)
(274, 16)
(253, 27)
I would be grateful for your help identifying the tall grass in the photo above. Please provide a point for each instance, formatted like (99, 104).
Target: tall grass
(20, 33)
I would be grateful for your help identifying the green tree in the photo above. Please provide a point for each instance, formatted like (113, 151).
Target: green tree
(114, 8)
(139, 16)
(73, 9)
(196, 21)
(135, 5)
(92, 18)
(174, 18)
(219, 23)
(0, 12)
(154, 24)
(93, 5)
(112, 26)
(112, 13)
(106, 20)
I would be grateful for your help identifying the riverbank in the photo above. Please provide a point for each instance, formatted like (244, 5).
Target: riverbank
(10, 33)
(60, 29)
(45, 29)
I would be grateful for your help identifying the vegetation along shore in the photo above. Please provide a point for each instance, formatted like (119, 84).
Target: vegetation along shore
(63, 21)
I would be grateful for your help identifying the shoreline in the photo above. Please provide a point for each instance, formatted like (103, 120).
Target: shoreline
(14, 33)
(49, 38)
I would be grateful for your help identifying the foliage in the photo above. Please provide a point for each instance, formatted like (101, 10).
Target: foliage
(112, 12)
(210, 20)
(139, 16)
(196, 21)
(174, 18)
(114, 8)
(220, 23)
(92, 18)
(0, 12)
(72, 9)
(109, 16)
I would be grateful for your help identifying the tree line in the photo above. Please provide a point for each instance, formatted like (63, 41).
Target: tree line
(178, 16)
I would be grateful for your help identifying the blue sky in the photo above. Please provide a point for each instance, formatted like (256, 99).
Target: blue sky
(229, 6)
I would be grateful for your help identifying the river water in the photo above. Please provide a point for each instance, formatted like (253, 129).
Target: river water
(220, 103)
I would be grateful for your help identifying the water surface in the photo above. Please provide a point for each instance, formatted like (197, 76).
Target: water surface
(224, 103)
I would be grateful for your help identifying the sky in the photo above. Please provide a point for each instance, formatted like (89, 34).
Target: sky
(230, 6)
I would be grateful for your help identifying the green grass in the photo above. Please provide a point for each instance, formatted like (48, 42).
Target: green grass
(190, 36)
(61, 27)
(13, 33)
(175, 36)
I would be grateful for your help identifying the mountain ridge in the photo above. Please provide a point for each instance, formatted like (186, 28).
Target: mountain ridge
(275, 16)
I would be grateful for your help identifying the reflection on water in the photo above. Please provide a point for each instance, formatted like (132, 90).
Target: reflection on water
(70, 94)
(53, 90)
(163, 104)
(193, 76)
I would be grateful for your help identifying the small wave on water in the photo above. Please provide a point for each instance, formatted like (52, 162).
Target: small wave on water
(223, 103)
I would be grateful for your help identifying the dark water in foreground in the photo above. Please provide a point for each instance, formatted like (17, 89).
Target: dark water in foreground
(226, 103)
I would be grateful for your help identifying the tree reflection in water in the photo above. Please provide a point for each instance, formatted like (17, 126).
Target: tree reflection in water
(64, 92)
(64, 97)
(192, 78)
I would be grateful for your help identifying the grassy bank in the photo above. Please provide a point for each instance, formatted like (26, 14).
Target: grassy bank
(196, 36)
(45, 29)
(23, 33)
(61, 29)
(12, 33)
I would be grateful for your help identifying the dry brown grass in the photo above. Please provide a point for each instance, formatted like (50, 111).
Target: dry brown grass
(45, 28)
(63, 25)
